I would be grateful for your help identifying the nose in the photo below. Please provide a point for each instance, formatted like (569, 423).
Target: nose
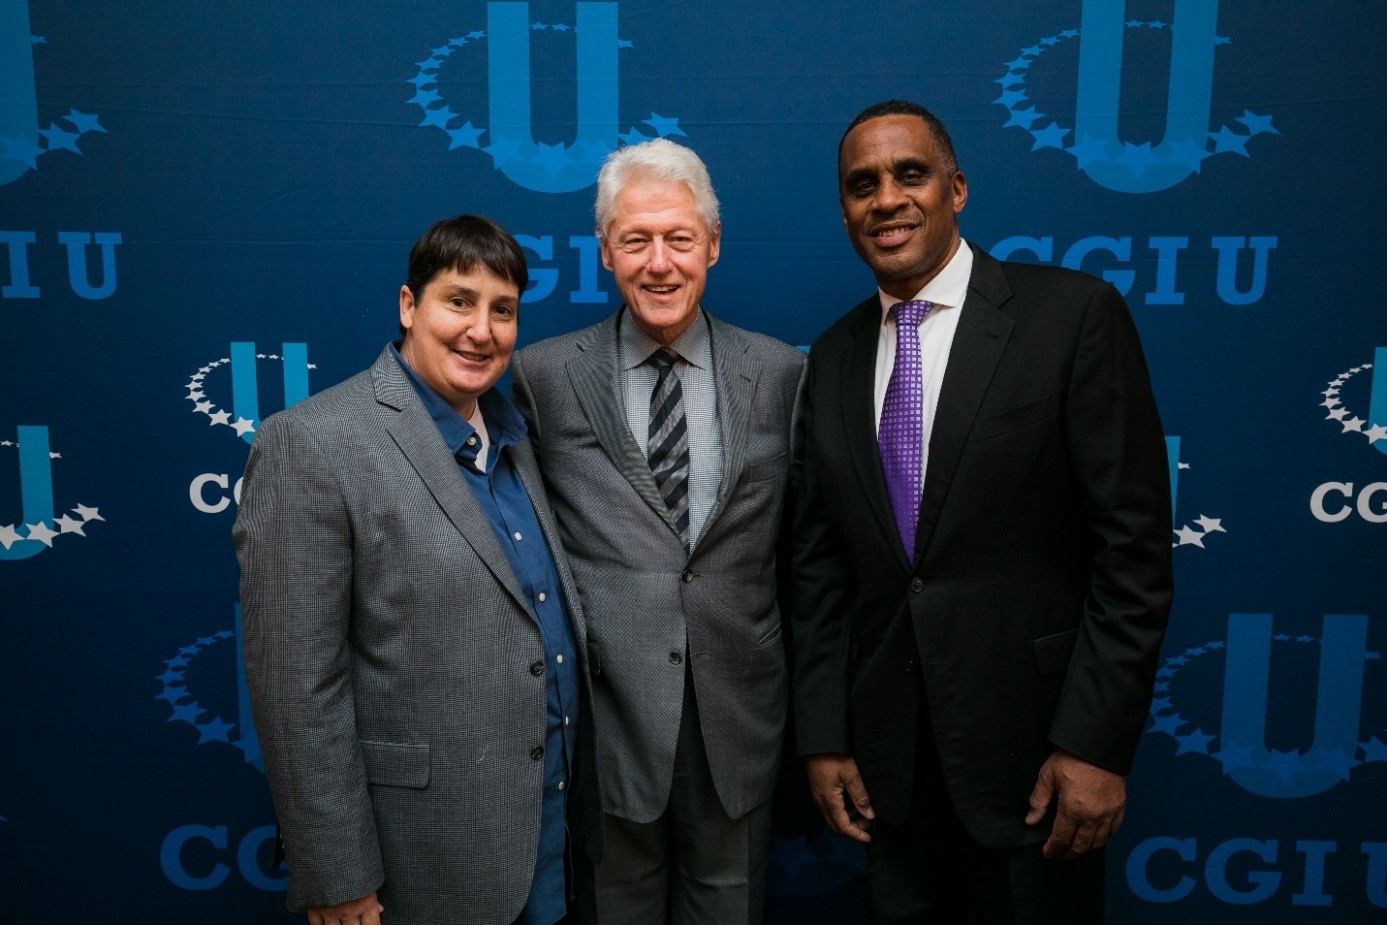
(479, 331)
(659, 261)
(889, 195)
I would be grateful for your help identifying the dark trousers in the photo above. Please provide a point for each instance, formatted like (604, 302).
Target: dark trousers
(928, 870)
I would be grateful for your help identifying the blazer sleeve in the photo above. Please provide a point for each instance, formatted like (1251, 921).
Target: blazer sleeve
(822, 582)
(294, 542)
(1118, 453)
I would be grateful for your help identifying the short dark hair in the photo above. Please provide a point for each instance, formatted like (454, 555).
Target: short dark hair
(461, 244)
(937, 131)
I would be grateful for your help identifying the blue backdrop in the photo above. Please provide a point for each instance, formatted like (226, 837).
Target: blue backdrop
(205, 211)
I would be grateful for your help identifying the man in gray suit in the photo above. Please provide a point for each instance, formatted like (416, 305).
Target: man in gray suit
(665, 437)
(412, 632)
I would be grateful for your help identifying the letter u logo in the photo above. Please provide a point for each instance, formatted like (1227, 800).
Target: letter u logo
(1338, 706)
(245, 390)
(1187, 108)
(35, 491)
(508, 72)
(18, 101)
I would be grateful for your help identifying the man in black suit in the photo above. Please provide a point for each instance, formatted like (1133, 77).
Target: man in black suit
(982, 555)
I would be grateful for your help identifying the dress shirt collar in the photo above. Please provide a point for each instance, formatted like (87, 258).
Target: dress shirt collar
(506, 425)
(637, 346)
(949, 287)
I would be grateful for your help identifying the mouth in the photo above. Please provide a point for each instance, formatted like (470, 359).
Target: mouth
(892, 234)
(661, 291)
(472, 356)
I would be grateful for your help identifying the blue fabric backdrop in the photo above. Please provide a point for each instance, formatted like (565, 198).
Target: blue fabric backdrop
(205, 211)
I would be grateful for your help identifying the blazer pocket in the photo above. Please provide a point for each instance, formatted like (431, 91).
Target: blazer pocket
(391, 764)
(1052, 652)
(763, 469)
(1011, 419)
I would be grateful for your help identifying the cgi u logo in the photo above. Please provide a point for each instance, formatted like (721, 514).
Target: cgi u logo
(245, 391)
(1338, 707)
(18, 101)
(35, 491)
(508, 74)
(1187, 108)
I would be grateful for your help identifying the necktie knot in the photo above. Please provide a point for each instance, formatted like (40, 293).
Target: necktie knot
(910, 313)
(664, 358)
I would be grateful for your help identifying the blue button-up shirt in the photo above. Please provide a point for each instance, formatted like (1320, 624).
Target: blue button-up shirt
(512, 516)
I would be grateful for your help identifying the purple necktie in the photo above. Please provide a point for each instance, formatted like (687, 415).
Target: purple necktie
(900, 437)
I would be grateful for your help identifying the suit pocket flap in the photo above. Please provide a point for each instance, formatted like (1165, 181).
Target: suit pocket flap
(395, 765)
(1013, 418)
(1052, 652)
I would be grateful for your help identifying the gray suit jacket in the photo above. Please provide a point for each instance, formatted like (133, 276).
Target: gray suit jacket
(388, 649)
(646, 599)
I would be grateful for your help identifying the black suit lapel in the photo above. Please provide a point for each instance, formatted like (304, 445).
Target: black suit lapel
(979, 341)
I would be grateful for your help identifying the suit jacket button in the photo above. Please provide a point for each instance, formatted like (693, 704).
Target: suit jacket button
(909, 665)
(688, 575)
(675, 658)
(537, 669)
(916, 585)
(537, 752)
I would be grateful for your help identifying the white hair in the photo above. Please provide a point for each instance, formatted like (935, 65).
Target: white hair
(659, 158)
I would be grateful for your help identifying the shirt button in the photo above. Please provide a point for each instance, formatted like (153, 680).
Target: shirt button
(537, 752)
(537, 669)
(916, 585)
(688, 575)
(559, 659)
(560, 785)
(675, 658)
(565, 720)
(518, 537)
(543, 597)
(471, 441)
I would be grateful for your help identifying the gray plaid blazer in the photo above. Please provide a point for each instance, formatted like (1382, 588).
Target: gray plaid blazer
(388, 649)
(648, 602)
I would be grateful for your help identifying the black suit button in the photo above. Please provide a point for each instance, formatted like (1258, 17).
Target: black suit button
(688, 575)
(916, 585)
(537, 669)
(909, 665)
(537, 752)
(675, 658)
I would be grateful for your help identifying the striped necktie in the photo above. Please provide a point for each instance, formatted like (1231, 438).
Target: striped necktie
(668, 449)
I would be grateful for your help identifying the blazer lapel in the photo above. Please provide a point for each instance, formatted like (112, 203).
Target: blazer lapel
(979, 341)
(415, 433)
(597, 383)
(736, 388)
(859, 421)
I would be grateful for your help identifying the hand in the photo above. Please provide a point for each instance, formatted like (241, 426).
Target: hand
(363, 911)
(1092, 802)
(841, 797)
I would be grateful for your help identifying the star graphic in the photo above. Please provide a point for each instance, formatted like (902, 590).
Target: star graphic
(595, 152)
(1189, 152)
(538, 26)
(428, 64)
(1329, 402)
(1233, 755)
(221, 417)
(664, 125)
(1182, 466)
(1050, 40)
(1330, 391)
(477, 34)
(1353, 423)
(420, 79)
(1256, 125)
(243, 427)
(88, 513)
(438, 117)
(1337, 414)
(458, 42)
(57, 138)
(41, 532)
(633, 137)
(625, 43)
(1281, 637)
(1226, 139)
(69, 524)
(189, 650)
(177, 661)
(1133, 24)
(561, 27)
(1033, 51)
(1214, 646)
(1222, 40)
(53, 455)
(214, 730)
(1087, 150)
(1020, 64)
(1156, 24)
(1049, 137)
(1189, 537)
(1305, 639)
(1195, 651)
(1069, 33)
(441, 51)
(19, 148)
(424, 98)
(1285, 764)
(1336, 761)
(1009, 80)
(1023, 117)
(187, 713)
(1159, 705)
(1166, 672)
(1138, 157)
(1372, 656)
(1179, 661)
(172, 694)
(1373, 750)
(503, 149)
(9, 535)
(464, 137)
(1375, 433)
(1161, 687)
(169, 676)
(552, 157)
(1168, 724)
(204, 406)
(1196, 742)
(1210, 524)
(37, 40)
(1010, 98)
(83, 121)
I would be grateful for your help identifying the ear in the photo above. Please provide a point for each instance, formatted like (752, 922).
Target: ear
(714, 243)
(960, 191)
(406, 308)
